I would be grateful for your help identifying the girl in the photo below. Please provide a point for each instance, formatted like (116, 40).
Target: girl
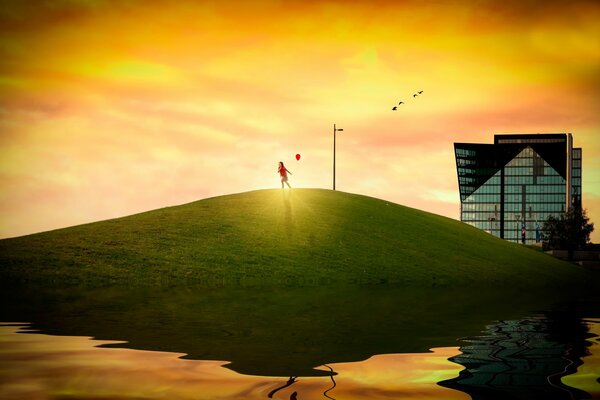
(283, 173)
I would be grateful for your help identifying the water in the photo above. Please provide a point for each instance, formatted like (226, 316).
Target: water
(298, 343)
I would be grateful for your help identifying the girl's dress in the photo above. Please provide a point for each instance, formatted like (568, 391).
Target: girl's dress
(283, 174)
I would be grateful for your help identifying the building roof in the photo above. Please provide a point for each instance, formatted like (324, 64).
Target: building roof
(483, 161)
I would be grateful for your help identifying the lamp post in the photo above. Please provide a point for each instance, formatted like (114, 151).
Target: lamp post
(334, 131)
(518, 218)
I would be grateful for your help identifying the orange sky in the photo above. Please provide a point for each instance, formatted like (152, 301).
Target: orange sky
(109, 108)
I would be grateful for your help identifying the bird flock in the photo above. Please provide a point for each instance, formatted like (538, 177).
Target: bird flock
(395, 108)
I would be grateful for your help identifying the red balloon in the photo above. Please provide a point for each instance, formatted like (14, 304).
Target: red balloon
(298, 157)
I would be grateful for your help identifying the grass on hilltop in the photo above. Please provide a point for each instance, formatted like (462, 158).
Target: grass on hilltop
(298, 236)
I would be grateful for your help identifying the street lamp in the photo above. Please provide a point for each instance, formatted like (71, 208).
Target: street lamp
(518, 218)
(334, 131)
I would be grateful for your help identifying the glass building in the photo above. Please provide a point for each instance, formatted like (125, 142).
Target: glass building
(509, 188)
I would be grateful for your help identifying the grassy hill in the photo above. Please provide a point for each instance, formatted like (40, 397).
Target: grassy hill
(299, 236)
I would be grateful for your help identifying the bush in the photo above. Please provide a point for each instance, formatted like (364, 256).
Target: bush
(569, 231)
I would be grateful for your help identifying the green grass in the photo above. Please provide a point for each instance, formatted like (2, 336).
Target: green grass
(299, 236)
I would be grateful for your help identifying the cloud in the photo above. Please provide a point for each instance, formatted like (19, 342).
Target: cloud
(148, 104)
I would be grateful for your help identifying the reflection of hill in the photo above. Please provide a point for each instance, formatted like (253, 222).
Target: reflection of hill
(522, 359)
(275, 332)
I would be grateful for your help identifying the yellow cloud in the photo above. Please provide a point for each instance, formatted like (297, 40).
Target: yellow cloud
(127, 71)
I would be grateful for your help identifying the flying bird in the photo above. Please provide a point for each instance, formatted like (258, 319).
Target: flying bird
(415, 95)
(401, 103)
(394, 108)
(420, 92)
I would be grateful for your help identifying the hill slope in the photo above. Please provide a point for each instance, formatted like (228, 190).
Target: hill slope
(306, 236)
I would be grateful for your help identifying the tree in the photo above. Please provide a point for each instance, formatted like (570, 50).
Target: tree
(569, 231)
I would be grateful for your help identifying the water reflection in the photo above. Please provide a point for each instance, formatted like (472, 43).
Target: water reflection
(398, 376)
(272, 332)
(318, 343)
(524, 359)
(587, 376)
(290, 382)
(44, 366)
(332, 381)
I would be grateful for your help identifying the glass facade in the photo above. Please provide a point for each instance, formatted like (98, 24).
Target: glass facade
(511, 187)
(576, 180)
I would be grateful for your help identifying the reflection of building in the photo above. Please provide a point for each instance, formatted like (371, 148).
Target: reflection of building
(517, 182)
(524, 359)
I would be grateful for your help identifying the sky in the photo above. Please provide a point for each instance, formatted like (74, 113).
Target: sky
(110, 108)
